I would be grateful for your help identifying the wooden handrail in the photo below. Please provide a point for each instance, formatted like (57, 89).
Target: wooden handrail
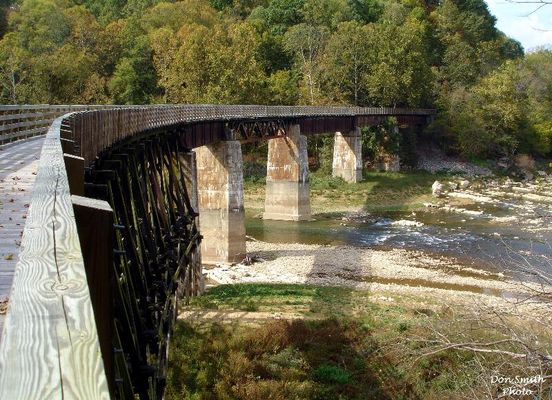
(19, 122)
(50, 347)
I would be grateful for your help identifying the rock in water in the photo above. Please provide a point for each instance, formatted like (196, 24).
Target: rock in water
(437, 189)
(464, 184)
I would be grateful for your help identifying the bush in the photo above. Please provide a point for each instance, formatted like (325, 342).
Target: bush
(328, 373)
(381, 140)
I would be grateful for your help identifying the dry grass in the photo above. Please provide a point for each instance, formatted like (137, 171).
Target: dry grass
(351, 345)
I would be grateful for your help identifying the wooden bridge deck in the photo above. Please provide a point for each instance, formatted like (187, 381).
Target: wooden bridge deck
(18, 166)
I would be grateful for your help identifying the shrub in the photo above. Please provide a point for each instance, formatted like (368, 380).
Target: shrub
(329, 373)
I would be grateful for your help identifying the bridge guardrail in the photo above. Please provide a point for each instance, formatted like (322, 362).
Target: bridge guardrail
(23, 121)
(50, 346)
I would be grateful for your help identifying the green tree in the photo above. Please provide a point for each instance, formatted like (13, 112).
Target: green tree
(490, 119)
(538, 83)
(134, 80)
(217, 66)
(366, 11)
(41, 25)
(283, 88)
(175, 15)
(279, 15)
(15, 71)
(306, 44)
(327, 13)
(399, 73)
(346, 61)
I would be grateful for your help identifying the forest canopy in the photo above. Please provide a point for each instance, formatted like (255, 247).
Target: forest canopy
(492, 98)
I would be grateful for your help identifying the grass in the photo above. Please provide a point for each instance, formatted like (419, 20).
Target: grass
(350, 344)
(379, 191)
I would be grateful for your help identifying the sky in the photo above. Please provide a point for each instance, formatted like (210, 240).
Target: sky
(517, 21)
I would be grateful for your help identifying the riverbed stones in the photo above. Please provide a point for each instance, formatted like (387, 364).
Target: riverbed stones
(464, 184)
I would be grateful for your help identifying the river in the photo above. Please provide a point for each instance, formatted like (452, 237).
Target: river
(500, 227)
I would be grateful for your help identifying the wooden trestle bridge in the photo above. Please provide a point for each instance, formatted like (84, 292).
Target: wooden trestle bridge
(111, 237)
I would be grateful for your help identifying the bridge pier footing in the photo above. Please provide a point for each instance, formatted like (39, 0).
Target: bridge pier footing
(220, 202)
(287, 180)
(347, 156)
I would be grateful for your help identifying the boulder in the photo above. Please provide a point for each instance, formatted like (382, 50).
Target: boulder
(437, 189)
(504, 163)
(524, 162)
(464, 184)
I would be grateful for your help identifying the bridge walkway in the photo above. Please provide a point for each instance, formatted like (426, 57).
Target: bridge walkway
(18, 167)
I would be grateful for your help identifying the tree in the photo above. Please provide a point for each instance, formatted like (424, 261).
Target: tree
(134, 80)
(366, 11)
(14, 71)
(217, 66)
(175, 15)
(236, 75)
(41, 25)
(181, 63)
(538, 83)
(490, 118)
(346, 61)
(279, 15)
(283, 88)
(306, 44)
(399, 73)
(327, 13)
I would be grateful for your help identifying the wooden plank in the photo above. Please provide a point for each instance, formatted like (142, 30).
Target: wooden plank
(50, 347)
(95, 226)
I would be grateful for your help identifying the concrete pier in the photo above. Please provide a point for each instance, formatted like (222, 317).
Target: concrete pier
(220, 202)
(287, 180)
(347, 156)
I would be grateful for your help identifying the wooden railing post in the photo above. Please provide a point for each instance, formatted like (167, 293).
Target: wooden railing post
(95, 227)
(74, 166)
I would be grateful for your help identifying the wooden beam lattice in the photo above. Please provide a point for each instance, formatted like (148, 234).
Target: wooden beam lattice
(156, 255)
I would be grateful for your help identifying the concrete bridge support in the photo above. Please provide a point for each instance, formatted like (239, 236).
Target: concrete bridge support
(287, 180)
(347, 156)
(220, 202)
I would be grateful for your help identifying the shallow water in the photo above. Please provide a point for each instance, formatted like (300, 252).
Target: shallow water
(509, 236)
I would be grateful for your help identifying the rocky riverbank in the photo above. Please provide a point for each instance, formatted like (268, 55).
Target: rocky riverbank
(398, 271)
